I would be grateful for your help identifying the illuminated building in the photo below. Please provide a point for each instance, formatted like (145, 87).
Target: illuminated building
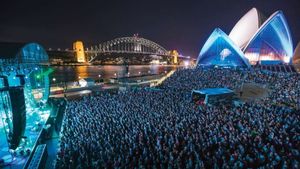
(24, 91)
(246, 27)
(220, 50)
(272, 42)
(79, 51)
(258, 38)
(296, 58)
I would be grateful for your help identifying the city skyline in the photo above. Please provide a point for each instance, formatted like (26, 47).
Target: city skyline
(184, 26)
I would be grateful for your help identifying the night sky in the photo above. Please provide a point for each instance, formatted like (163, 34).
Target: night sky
(182, 25)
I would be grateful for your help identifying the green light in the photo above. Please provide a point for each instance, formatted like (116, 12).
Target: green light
(50, 70)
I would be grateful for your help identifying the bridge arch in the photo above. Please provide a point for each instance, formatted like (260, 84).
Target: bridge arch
(130, 45)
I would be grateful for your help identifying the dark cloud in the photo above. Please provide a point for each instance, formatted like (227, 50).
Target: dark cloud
(182, 25)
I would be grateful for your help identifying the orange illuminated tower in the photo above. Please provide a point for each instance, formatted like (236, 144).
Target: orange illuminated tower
(79, 51)
(175, 54)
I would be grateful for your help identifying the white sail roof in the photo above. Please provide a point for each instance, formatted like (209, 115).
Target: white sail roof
(275, 33)
(220, 50)
(246, 27)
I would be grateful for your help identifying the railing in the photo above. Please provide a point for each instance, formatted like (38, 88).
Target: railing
(96, 53)
(39, 158)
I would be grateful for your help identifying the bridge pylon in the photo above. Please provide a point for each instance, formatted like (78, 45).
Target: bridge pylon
(175, 55)
(79, 51)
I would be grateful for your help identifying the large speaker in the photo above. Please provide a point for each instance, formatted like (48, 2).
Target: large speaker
(4, 82)
(18, 116)
(22, 79)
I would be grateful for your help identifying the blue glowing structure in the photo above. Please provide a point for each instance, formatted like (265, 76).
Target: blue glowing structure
(24, 91)
(29, 60)
(271, 42)
(219, 50)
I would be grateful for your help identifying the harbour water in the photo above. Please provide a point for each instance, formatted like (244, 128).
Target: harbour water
(73, 73)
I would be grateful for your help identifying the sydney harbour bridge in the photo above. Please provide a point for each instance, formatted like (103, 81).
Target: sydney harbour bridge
(128, 45)
(125, 48)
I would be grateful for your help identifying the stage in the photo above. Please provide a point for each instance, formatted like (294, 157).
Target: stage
(35, 122)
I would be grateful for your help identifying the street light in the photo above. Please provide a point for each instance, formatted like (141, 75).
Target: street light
(54, 80)
(186, 63)
(99, 78)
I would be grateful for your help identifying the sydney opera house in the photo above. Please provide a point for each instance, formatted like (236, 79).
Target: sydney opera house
(255, 39)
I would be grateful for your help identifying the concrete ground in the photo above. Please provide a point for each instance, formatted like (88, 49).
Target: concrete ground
(252, 91)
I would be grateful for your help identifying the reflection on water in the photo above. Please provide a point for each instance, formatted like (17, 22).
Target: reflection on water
(73, 73)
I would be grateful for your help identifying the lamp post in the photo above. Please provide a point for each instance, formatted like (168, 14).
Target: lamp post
(65, 90)
(54, 80)
(99, 78)
(116, 76)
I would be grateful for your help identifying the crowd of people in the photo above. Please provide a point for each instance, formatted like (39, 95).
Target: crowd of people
(163, 129)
